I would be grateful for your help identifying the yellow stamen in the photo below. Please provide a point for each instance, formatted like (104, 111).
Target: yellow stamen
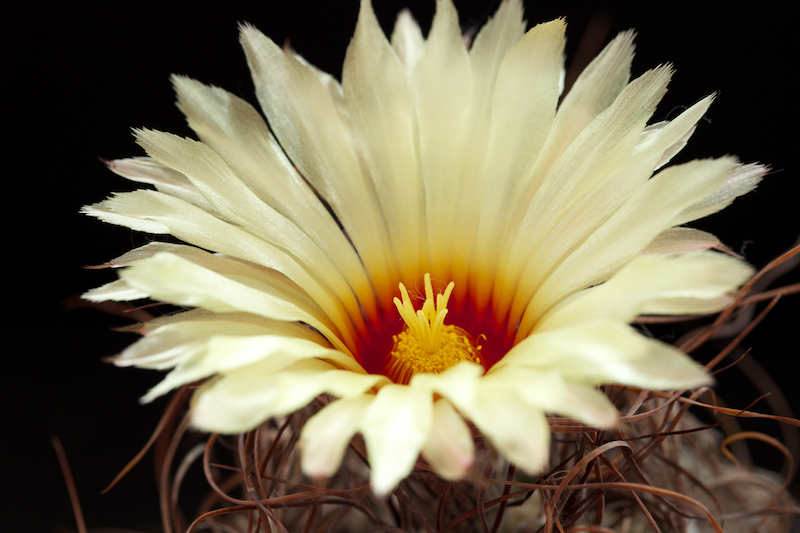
(426, 344)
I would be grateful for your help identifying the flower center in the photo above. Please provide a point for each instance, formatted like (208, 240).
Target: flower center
(426, 344)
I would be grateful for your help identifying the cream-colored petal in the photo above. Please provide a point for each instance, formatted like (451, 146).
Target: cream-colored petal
(607, 351)
(224, 353)
(174, 279)
(449, 448)
(238, 134)
(331, 85)
(118, 290)
(165, 179)
(597, 204)
(594, 90)
(327, 434)
(547, 390)
(237, 204)
(459, 383)
(489, 47)
(672, 150)
(523, 107)
(378, 98)
(395, 428)
(241, 399)
(407, 41)
(645, 214)
(695, 282)
(601, 148)
(171, 215)
(170, 344)
(442, 97)
(505, 28)
(517, 429)
(741, 180)
(681, 240)
(307, 124)
(273, 283)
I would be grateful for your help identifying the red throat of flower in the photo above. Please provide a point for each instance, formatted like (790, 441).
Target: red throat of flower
(409, 341)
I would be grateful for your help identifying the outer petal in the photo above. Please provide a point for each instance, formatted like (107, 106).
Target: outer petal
(159, 213)
(516, 427)
(628, 231)
(442, 89)
(170, 278)
(681, 240)
(241, 399)
(449, 449)
(118, 290)
(523, 108)
(698, 282)
(546, 389)
(236, 131)
(741, 180)
(327, 434)
(606, 351)
(395, 427)
(307, 124)
(378, 98)
(165, 179)
(237, 204)
(407, 41)
(459, 383)
(224, 353)
(166, 346)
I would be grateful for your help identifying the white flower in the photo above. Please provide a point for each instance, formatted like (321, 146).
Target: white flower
(516, 237)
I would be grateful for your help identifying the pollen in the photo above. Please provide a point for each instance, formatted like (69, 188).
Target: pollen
(426, 344)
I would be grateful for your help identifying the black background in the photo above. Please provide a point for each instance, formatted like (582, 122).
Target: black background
(79, 76)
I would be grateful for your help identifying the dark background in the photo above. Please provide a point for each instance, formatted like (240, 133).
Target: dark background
(79, 76)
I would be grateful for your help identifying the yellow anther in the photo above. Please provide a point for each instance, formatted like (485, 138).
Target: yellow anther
(426, 344)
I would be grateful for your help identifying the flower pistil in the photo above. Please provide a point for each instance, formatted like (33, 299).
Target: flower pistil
(426, 344)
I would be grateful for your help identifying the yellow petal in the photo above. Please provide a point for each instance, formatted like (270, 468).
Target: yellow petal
(741, 180)
(602, 147)
(234, 202)
(167, 345)
(191, 224)
(118, 290)
(517, 429)
(680, 240)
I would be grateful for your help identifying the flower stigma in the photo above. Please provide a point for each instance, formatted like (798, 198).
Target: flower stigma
(426, 344)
